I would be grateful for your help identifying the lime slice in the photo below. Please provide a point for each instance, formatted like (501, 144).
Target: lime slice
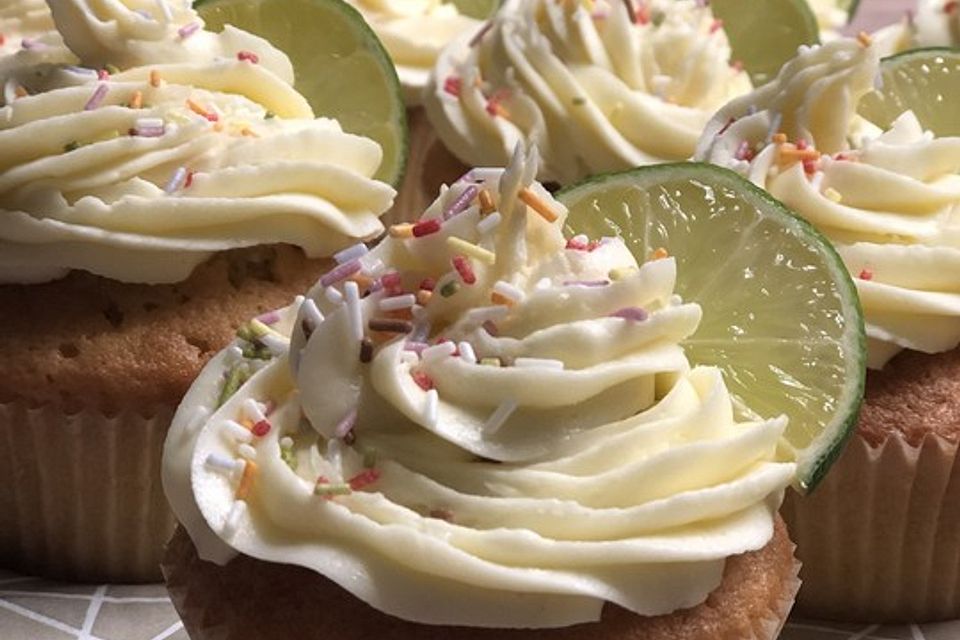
(924, 80)
(479, 9)
(766, 34)
(340, 65)
(781, 317)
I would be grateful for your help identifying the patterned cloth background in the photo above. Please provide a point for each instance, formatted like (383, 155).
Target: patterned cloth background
(32, 609)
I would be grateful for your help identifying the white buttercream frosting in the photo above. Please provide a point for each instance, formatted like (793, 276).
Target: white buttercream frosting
(196, 143)
(596, 90)
(535, 444)
(936, 23)
(28, 37)
(414, 32)
(888, 200)
(830, 18)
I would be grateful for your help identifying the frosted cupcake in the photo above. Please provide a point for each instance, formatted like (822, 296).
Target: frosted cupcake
(495, 429)
(877, 538)
(596, 90)
(936, 23)
(155, 197)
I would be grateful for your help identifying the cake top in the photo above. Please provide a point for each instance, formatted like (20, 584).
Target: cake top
(167, 144)
(480, 423)
(888, 200)
(596, 90)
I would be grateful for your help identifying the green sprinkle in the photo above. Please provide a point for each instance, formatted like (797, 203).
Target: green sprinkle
(269, 115)
(490, 362)
(253, 331)
(657, 18)
(112, 69)
(579, 101)
(621, 272)
(449, 289)
(256, 351)
(287, 455)
(237, 375)
(73, 145)
(332, 489)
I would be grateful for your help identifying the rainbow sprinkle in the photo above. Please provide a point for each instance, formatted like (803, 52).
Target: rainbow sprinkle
(534, 202)
(472, 250)
(98, 95)
(500, 415)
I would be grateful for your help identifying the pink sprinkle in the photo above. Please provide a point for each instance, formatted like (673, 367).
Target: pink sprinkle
(31, 43)
(452, 86)
(346, 424)
(103, 74)
(462, 265)
(577, 244)
(490, 327)
(866, 274)
(744, 152)
(428, 284)
(461, 203)
(416, 347)
(98, 95)
(188, 30)
(261, 428)
(426, 227)
(271, 317)
(341, 272)
(248, 56)
(423, 381)
(363, 479)
(631, 313)
(716, 25)
(392, 283)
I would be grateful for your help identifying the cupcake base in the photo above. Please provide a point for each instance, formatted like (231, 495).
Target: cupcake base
(249, 599)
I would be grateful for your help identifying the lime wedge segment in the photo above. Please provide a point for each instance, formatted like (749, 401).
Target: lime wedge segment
(766, 34)
(926, 81)
(781, 317)
(479, 9)
(341, 67)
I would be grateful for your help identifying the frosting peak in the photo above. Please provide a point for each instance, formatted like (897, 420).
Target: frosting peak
(480, 423)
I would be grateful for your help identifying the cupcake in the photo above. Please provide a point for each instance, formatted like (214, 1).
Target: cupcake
(495, 428)
(877, 539)
(597, 90)
(29, 38)
(148, 211)
(936, 23)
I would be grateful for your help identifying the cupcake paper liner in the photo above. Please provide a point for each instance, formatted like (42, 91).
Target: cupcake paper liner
(249, 599)
(879, 539)
(81, 495)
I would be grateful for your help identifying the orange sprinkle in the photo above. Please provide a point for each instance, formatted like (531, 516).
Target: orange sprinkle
(779, 138)
(531, 200)
(247, 423)
(404, 230)
(364, 282)
(198, 109)
(154, 78)
(499, 298)
(423, 297)
(20, 92)
(218, 126)
(486, 202)
(789, 152)
(136, 101)
(659, 254)
(248, 132)
(864, 39)
(494, 108)
(246, 480)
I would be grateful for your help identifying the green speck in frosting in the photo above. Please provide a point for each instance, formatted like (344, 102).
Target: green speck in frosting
(253, 331)
(256, 351)
(269, 115)
(236, 376)
(579, 101)
(73, 145)
(287, 455)
(332, 489)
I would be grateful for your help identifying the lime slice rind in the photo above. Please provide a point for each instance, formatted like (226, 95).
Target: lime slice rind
(926, 81)
(341, 66)
(799, 347)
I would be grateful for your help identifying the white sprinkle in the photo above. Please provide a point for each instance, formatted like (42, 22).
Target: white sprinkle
(430, 408)
(375, 269)
(232, 521)
(247, 452)
(543, 283)
(237, 431)
(499, 416)
(580, 238)
(354, 315)
(532, 363)
(489, 223)
(409, 358)
(438, 352)
(286, 442)
(333, 295)
(311, 312)
(507, 290)
(816, 182)
(278, 345)
(396, 303)
(467, 352)
(176, 181)
(351, 253)
(675, 300)
(165, 10)
(774, 127)
(234, 355)
(225, 464)
(188, 30)
(148, 123)
(253, 410)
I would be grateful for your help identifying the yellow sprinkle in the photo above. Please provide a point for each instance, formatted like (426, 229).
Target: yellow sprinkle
(248, 132)
(472, 250)
(154, 78)
(621, 272)
(246, 480)
(218, 126)
(659, 254)
(864, 39)
(487, 204)
(196, 108)
(531, 200)
(136, 101)
(779, 138)
(832, 194)
(20, 92)
(404, 230)
(364, 282)
(246, 423)
(423, 297)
